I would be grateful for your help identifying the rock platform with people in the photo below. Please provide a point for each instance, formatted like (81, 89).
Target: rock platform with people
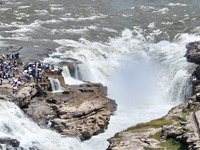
(13, 72)
(81, 110)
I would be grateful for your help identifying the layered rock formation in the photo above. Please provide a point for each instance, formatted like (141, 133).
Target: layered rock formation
(85, 111)
(179, 129)
(81, 111)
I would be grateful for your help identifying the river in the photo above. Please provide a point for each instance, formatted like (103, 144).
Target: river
(135, 47)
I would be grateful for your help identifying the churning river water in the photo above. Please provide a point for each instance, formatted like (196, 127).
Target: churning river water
(135, 47)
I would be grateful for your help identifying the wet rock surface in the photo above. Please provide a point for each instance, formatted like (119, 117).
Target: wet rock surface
(9, 141)
(193, 52)
(14, 48)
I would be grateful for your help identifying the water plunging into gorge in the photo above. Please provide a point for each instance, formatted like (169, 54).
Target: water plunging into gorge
(136, 48)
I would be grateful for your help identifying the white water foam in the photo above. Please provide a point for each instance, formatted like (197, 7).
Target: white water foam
(162, 11)
(99, 16)
(15, 124)
(55, 85)
(68, 79)
(176, 4)
(142, 77)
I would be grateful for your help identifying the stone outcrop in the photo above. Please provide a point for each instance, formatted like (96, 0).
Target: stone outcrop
(193, 52)
(184, 125)
(130, 140)
(182, 128)
(25, 95)
(9, 141)
(82, 110)
(79, 111)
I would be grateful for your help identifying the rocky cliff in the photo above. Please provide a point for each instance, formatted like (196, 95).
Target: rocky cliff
(82, 110)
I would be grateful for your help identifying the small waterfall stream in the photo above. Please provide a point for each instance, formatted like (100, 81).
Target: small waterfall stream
(68, 78)
(55, 85)
(76, 76)
(153, 34)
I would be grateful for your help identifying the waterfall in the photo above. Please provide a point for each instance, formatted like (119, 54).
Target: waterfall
(55, 85)
(66, 72)
(145, 78)
(76, 76)
(85, 73)
(16, 125)
(67, 77)
(181, 88)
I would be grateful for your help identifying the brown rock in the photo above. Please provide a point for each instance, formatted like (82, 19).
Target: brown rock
(133, 141)
(86, 113)
(193, 52)
(78, 111)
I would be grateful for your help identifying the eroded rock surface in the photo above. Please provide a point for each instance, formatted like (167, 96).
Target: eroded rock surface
(132, 140)
(193, 52)
(183, 129)
(79, 111)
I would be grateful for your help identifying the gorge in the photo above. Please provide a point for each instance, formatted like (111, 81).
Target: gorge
(135, 48)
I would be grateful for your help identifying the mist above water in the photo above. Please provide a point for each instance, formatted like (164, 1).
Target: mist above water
(135, 48)
(134, 84)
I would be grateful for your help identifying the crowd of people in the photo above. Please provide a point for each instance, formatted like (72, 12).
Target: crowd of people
(8, 66)
(13, 71)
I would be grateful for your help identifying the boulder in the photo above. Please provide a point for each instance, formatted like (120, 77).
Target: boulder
(193, 52)
(86, 113)
(81, 111)
(9, 141)
(25, 94)
(39, 111)
(133, 140)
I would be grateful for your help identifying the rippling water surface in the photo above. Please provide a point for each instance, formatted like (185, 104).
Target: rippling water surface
(135, 47)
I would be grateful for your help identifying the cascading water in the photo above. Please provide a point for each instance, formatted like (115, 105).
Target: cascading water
(55, 85)
(16, 125)
(84, 72)
(146, 79)
(76, 72)
(67, 77)
(134, 47)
